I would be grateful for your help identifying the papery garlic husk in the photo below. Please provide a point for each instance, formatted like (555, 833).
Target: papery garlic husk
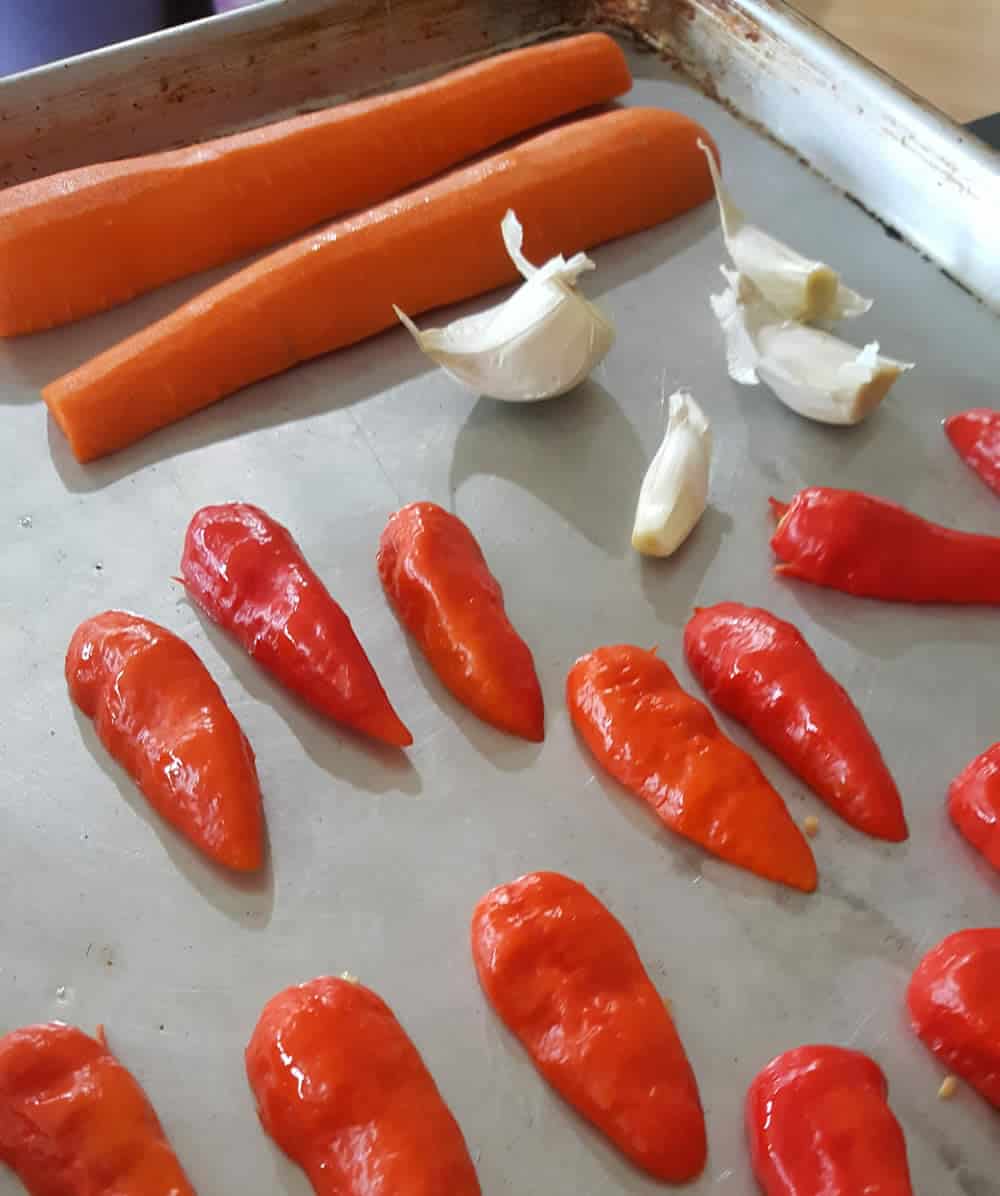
(813, 372)
(541, 342)
(798, 288)
(674, 491)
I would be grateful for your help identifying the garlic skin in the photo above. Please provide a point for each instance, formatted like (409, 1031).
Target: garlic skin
(541, 342)
(812, 372)
(797, 287)
(674, 492)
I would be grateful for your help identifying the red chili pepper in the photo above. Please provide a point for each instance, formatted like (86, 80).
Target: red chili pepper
(974, 803)
(247, 574)
(440, 586)
(665, 746)
(159, 713)
(759, 670)
(565, 977)
(74, 1122)
(954, 1000)
(876, 549)
(344, 1093)
(819, 1124)
(976, 437)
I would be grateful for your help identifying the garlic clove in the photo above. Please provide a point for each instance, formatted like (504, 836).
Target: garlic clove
(674, 491)
(797, 287)
(541, 342)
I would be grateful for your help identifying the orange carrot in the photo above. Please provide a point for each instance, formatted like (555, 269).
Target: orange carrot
(573, 187)
(83, 240)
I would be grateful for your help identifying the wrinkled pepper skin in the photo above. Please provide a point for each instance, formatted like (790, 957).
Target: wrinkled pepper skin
(759, 670)
(954, 1003)
(345, 1094)
(565, 977)
(876, 549)
(437, 580)
(248, 575)
(975, 436)
(819, 1124)
(161, 716)
(974, 803)
(665, 747)
(74, 1122)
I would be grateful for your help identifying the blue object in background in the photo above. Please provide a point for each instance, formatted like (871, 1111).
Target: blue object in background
(33, 32)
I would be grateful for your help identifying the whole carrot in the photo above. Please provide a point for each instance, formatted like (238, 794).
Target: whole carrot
(974, 803)
(573, 187)
(159, 713)
(81, 241)
(760, 670)
(345, 1094)
(877, 549)
(565, 977)
(665, 747)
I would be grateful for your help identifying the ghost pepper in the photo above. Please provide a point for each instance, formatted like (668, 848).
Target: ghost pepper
(975, 436)
(974, 803)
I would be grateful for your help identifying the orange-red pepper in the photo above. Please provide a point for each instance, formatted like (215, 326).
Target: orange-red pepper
(74, 1122)
(665, 746)
(159, 713)
(565, 977)
(974, 803)
(819, 1124)
(975, 435)
(760, 670)
(247, 574)
(436, 577)
(876, 549)
(954, 1002)
(344, 1093)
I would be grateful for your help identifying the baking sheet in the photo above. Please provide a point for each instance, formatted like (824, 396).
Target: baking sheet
(376, 863)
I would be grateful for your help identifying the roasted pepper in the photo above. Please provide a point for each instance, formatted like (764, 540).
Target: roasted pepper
(343, 1091)
(665, 746)
(974, 803)
(976, 437)
(74, 1122)
(247, 574)
(436, 577)
(565, 977)
(954, 1001)
(819, 1124)
(876, 549)
(159, 713)
(759, 670)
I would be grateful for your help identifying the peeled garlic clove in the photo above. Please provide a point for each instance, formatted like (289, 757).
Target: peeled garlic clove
(814, 373)
(541, 342)
(798, 288)
(674, 491)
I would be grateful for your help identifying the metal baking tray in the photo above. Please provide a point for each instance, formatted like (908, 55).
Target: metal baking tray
(376, 863)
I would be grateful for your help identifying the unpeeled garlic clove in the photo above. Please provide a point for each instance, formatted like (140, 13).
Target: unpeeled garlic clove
(797, 287)
(812, 372)
(541, 342)
(674, 491)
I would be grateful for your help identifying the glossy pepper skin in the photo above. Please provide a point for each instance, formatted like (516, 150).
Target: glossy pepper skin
(565, 977)
(759, 670)
(975, 436)
(819, 1124)
(74, 1122)
(248, 575)
(437, 580)
(665, 747)
(161, 716)
(345, 1094)
(974, 803)
(875, 549)
(954, 1003)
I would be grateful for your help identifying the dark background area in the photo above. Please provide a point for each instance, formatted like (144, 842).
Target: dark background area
(179, 11)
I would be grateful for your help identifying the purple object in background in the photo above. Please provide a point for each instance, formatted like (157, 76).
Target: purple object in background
(33, 32)
(230, 5)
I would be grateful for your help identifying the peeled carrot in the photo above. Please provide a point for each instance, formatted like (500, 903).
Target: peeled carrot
(83, 240)
(573, 187)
